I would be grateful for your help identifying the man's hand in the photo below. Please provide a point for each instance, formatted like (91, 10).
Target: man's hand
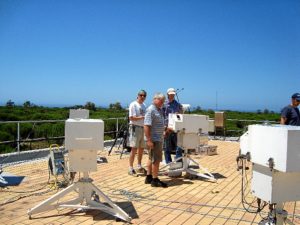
(150, 144)
(169, 129)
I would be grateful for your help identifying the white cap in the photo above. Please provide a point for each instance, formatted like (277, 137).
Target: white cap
(171, 91)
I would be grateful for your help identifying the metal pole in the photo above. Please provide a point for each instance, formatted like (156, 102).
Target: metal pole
(216, 100)
(117, 127)
(176, 93)
(18, 137)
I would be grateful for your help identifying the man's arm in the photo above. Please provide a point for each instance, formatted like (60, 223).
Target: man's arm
(284, 115)
(283, 120)
(147, 131)
(135, 118)
(133, 114)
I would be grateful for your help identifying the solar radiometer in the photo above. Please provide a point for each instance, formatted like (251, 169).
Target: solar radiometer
(83, 138)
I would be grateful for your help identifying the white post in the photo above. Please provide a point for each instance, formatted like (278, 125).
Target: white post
(18, 137)
(117, 127)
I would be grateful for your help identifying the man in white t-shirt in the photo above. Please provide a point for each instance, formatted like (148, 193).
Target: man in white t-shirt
(136, 141)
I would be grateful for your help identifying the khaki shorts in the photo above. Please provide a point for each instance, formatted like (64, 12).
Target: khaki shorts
(136, 137)
(155, 154)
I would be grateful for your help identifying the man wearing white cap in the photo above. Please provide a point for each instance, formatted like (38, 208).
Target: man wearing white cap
(172, 106)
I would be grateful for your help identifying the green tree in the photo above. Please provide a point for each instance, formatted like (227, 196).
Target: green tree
(198, 108)
(10, 103)
(90, 106)
(27, 104)
(75, 107)
(115, 106)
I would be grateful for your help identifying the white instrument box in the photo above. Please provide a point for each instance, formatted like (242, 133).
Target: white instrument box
(191, 123)
(83, 138)
(280, 143)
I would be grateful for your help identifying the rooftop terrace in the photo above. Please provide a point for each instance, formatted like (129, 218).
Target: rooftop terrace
(185, 201)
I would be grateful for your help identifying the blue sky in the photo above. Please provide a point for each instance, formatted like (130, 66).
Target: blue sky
(237, 54)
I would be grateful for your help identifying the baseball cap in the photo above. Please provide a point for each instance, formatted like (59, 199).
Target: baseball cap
(171, 91)
(296, 96)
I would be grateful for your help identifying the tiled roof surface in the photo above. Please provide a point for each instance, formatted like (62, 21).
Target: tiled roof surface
(185, 201)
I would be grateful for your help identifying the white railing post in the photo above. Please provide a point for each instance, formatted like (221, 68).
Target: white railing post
(117, 127)
(18, 137)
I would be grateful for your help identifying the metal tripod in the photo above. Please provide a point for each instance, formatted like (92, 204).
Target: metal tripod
(122, 133)
(85, 189)
(185, 167)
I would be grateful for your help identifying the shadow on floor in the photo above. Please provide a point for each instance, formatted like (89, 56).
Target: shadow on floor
(97, 215)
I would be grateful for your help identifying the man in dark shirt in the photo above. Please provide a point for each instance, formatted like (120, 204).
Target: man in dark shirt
(290, 114)
(172, 106)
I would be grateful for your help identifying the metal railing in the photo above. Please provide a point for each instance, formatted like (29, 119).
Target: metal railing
(19, 140)
(245, 123)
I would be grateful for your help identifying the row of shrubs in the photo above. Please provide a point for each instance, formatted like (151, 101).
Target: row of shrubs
(46, 131)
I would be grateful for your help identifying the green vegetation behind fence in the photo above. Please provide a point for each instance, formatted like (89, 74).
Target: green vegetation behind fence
(236, 123)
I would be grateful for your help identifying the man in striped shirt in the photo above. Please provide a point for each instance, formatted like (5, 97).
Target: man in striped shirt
(154, 128)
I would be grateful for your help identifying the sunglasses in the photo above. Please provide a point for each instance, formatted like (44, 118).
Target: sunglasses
(143, 96)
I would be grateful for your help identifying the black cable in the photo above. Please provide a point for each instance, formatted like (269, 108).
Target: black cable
(133, 196)
(243, 196)
(33, 193)
(259, 208)
(24, 192)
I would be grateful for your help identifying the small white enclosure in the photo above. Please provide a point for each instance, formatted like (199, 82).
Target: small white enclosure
(79, 114)
(82, 161)
(83, 138)
(275, 186)
(84, 134)
(244, 143)
(191, 123)
(190, 128)
(278, 142)
(211, 126)
(188, 141)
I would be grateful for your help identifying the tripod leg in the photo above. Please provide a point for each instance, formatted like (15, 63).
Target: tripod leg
(209, 177)
(114, 209)
(194, 161)
(117, 137)
(47, 204)
(172, 163)
(113, 145)
(123, 141)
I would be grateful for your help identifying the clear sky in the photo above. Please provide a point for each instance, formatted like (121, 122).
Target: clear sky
(236, 54)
